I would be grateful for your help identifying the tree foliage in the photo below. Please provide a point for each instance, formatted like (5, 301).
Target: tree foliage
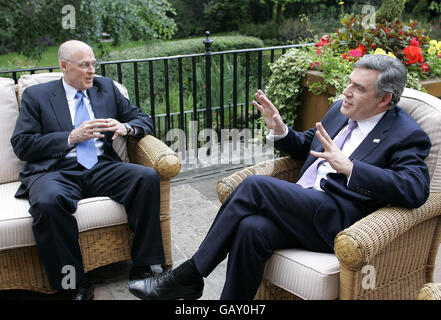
(28, 26)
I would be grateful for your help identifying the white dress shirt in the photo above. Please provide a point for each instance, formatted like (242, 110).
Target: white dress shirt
(71, 101)
(352, 142)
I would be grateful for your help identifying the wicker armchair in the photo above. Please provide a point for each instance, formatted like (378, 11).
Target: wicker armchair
(104, 233)
(400, 244)
(430, 291)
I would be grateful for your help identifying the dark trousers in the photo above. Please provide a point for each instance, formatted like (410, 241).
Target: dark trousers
(262, 215)
(53, 199)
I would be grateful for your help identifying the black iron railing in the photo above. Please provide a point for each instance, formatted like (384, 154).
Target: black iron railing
(212, 89)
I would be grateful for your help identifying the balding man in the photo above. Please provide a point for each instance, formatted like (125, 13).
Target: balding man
(64, 133)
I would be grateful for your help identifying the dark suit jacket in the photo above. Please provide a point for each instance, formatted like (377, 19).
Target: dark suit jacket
(44, 123)
(389, 168)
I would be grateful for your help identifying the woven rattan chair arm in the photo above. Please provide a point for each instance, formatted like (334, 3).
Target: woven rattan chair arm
(430, 291)
(361, 242)
(278, 168)
(152, 152)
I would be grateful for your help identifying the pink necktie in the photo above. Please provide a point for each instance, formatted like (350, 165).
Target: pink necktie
(310, 175)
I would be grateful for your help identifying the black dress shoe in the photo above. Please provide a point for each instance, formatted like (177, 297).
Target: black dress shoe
(83, 293)
(140, 273)
(165, 287)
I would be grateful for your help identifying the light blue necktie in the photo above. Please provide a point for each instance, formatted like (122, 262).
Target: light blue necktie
(310, 175)
(86, 151)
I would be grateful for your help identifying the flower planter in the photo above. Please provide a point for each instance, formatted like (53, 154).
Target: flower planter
(433, 87)
(314, 107)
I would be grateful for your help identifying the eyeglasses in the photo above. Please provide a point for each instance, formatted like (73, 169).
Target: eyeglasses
(86, 65)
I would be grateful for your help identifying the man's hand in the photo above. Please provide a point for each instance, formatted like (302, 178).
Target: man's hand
(269, 112)
(336, 158)
(117, 128)
(88, 129)
(95, 128)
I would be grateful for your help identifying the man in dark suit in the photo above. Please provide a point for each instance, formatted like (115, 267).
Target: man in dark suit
(365, 154)
(64, 132)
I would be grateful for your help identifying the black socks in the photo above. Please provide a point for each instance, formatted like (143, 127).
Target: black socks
(187, 273)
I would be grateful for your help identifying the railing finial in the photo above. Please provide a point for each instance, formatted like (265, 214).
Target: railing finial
(207, 42)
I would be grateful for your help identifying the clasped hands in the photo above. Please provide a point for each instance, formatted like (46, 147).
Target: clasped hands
(94, 129)
(331, 153)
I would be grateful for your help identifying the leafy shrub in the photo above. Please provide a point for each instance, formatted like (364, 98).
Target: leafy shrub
(30, 25)
(174, 48)
(335, 55)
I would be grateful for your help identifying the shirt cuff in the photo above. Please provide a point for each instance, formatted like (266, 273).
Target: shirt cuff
(274, 137)
(69, 145)
(135, 130)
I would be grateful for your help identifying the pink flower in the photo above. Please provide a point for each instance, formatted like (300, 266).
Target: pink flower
(414, 42)
(355, 53)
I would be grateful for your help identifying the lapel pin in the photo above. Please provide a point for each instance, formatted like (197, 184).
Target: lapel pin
(376, 141)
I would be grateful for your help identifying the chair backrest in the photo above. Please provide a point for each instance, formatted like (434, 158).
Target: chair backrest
(25, 81)
(10, 165)
(426, 110)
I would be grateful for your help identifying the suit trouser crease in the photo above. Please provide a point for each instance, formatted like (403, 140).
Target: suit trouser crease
(262, 215)
(54, 196)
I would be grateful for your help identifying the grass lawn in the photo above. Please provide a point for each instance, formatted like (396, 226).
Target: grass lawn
(49, 57)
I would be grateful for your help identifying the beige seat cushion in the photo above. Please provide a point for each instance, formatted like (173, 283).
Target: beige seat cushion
(25, 81)
(16, 222)
(309, 275)
(10, 164)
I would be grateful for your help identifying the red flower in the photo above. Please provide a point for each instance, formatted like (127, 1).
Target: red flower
(414, 42)
(413, 52)
(362, 48)
(373, 46)
(425, 67)
(315, 64)
(325, 40)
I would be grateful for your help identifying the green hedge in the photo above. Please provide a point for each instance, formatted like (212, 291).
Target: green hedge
(181, 47)
(187, 46)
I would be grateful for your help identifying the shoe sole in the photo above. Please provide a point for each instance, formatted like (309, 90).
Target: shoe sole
(142, 297)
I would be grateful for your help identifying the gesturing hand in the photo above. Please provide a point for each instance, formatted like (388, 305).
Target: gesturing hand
(94, 129)
(269, 113)
(89, 129)
(336, 158)
(116, 127)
